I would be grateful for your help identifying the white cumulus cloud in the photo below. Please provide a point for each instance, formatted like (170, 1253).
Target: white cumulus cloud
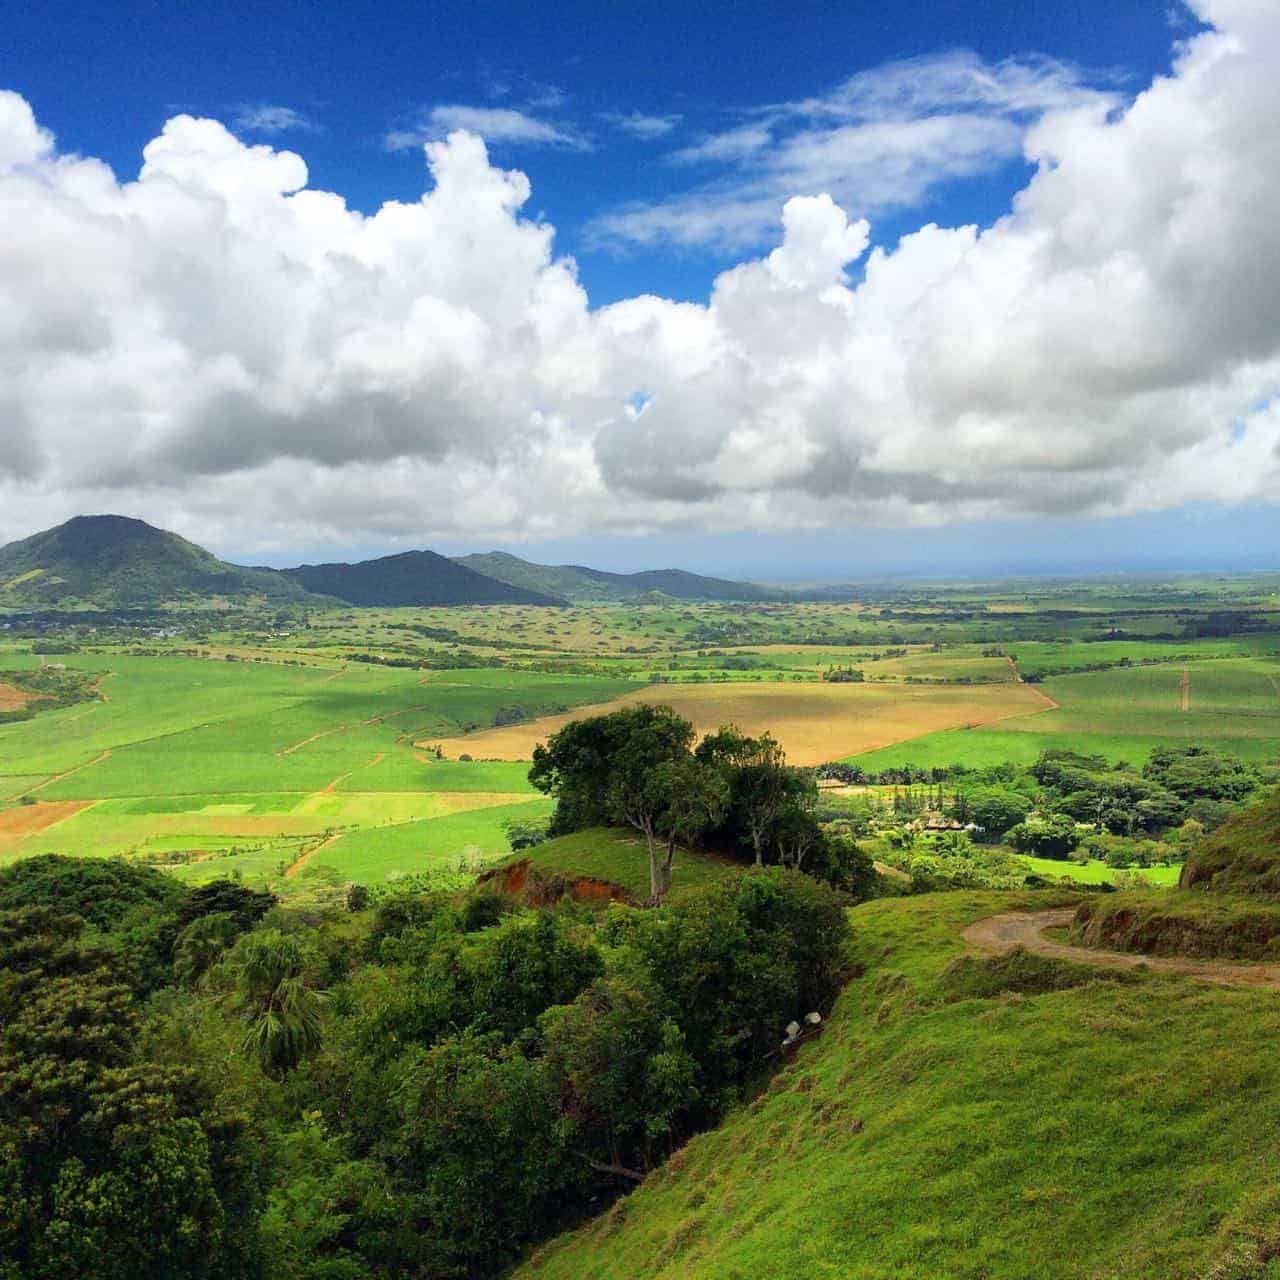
(219, 347)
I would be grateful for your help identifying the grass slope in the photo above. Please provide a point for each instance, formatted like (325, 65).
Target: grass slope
(1217, 925)
(1243, 855)
(618, 856)
(1121, 1130)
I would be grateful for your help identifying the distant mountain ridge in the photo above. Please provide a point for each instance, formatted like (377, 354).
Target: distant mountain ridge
(107, 562)
(420, 578)
(584, 585)
(112, 561)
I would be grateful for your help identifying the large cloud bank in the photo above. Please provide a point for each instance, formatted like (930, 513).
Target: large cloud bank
(218, 346)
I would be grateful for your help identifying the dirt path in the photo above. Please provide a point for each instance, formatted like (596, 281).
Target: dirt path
(1049, 703)
(345, 728)
(998, 935)
(58, 777)
(342, 777)
(303, 858)
(1186, 689)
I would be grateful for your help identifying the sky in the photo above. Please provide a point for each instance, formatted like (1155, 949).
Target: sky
(784, 290)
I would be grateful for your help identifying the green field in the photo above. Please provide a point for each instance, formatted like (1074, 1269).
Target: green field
(212, 765)
(1095, 872)
(1123, 714)
(248, 766)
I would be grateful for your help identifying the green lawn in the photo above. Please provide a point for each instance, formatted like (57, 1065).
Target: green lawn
(202, 757)
(460, 844)
(1095, 872)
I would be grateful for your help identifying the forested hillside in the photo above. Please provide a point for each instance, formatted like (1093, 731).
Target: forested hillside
(111, 561)
(411, 578)
(580, 584)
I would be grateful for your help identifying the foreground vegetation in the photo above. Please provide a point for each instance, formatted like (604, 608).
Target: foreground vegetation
(199, 1083)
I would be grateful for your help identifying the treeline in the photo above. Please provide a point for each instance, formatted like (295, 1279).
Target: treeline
(201, 1083)
(1065, 806)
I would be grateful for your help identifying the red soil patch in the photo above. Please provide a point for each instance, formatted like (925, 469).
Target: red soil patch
(521, 879)
(303, 858)
(29, 818)
(12, 699)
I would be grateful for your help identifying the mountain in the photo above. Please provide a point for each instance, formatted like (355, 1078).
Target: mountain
(583, 585)
(109, 562)
(413, 578)
(114, 562)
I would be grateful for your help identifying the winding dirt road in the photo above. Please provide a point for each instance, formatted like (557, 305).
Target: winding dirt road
(998, 935)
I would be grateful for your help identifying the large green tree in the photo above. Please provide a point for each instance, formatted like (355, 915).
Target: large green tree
(633, 767)
(111, 1166)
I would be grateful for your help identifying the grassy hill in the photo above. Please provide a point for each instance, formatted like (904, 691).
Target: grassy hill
(976, 1119)
(416, 578)
(1227, 904)
(584, 586)
(115, 562)
(1243, 855)
(618, 856)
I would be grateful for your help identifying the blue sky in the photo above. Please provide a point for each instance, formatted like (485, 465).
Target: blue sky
(661, 142)
(356, 73)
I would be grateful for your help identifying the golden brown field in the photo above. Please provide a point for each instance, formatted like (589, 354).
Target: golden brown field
(814, 722)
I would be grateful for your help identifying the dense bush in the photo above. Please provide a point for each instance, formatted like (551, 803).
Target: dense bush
(996, 809)
(100, 890)
(1055, 836)
(111, 1166)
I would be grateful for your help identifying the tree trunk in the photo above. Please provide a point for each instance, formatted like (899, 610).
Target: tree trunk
(617, 1169)
(659, 876)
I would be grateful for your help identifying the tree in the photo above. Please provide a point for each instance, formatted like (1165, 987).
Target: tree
(622, 1075)
(200, 945)
(760, 783)
(580, 764)
(1188, 837)
(996, 809)
(111, 1165)
(650, 782)
(736, 961)
(480, 1152)
(272, 993)
(693, 797)
(1053, 837)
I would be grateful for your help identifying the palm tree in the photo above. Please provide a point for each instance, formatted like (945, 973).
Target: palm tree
(271, 991)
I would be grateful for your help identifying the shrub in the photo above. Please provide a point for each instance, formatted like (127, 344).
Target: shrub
(1053, 837)
(737, 961)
